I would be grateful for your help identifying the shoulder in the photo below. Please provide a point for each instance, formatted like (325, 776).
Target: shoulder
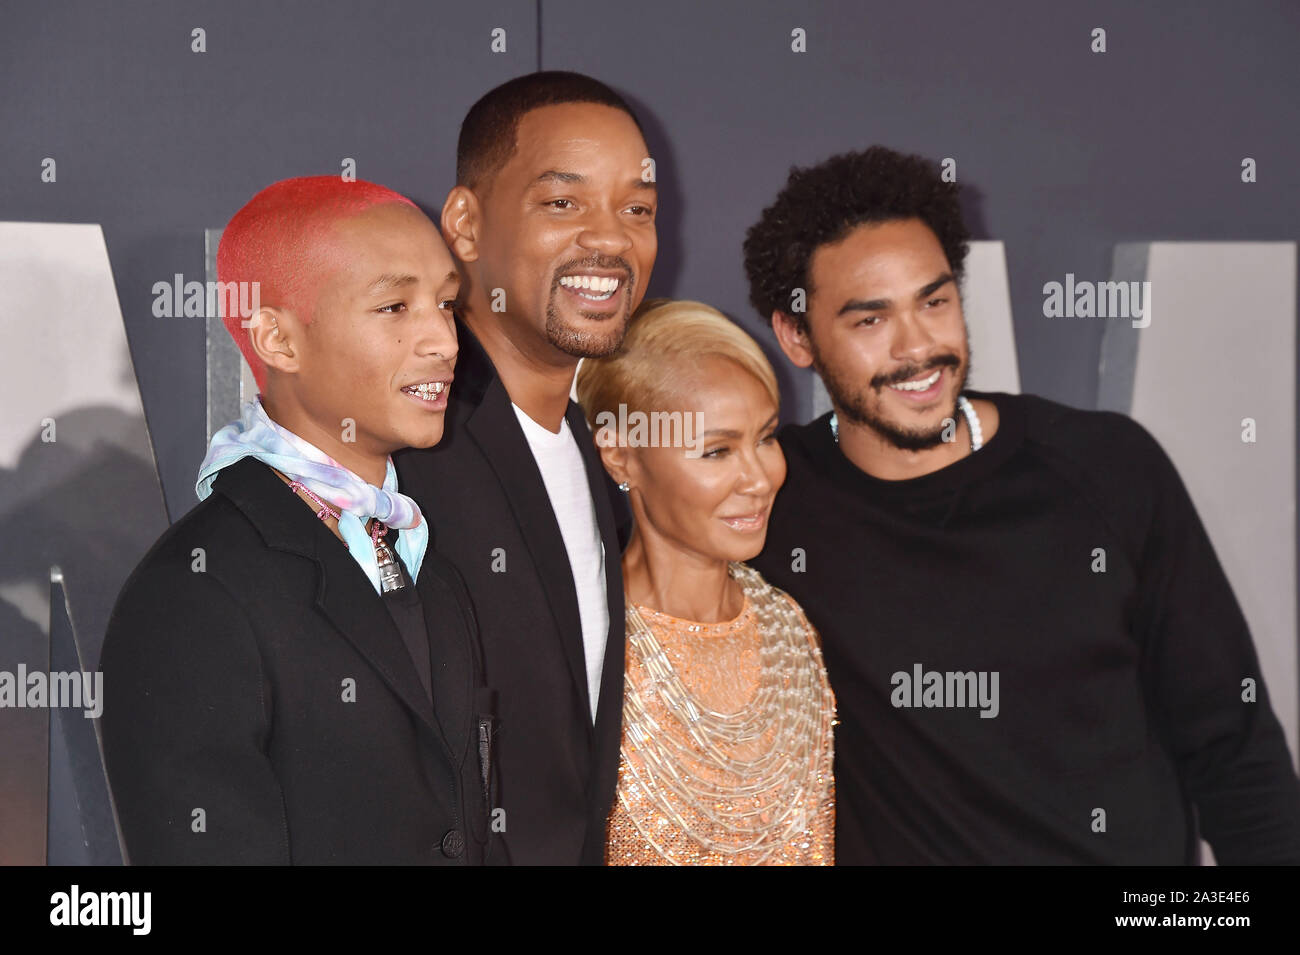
(213, 522)
(188, 565)
(800, 441)
(1107, 457)
(782, 598)
(1075, 430)
(178, 611)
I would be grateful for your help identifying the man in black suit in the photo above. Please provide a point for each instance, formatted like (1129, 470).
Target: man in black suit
(284, 686)
(552, 220)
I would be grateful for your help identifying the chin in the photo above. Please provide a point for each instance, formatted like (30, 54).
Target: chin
(743, 552)
(425, 437)
(584, 343)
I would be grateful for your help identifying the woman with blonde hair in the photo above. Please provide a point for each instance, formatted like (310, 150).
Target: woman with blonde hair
(727, 749)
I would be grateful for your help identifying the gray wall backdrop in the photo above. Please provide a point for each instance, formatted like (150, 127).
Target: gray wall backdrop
(1065, 152)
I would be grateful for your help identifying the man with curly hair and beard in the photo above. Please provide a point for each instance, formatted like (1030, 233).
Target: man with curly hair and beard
(1037, 656)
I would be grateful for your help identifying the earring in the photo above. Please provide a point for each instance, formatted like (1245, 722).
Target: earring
(623, 486)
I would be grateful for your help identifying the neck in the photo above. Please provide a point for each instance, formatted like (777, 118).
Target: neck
(537, 375)
(371, 467)
(331, 522)
(875, 454)
(692, 586)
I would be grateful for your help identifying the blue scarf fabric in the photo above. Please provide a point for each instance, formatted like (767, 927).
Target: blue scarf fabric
(255, 435)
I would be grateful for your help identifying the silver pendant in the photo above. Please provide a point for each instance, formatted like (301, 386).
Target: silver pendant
(390, 575)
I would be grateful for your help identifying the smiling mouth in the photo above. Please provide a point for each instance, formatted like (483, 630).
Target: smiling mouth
(591, 287)
(429, 391)
(918, 384)
(746, 522)
(921, 388)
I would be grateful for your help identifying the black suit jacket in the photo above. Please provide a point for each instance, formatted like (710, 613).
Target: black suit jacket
(267, 694)
(486, 503)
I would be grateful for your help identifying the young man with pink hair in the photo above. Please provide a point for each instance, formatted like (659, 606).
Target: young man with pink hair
(292, 674)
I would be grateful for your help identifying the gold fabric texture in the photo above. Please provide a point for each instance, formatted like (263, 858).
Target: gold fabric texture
(727, 739)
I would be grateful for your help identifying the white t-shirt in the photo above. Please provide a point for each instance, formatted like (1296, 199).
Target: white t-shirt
(565, 477)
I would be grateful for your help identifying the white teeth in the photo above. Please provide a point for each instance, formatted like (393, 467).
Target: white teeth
(602, 286)
(918, 385)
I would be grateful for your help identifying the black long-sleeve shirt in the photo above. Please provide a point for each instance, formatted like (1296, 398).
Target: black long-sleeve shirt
(1066, 557)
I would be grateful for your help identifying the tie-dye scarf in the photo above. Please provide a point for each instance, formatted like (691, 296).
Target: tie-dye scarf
(255, 435)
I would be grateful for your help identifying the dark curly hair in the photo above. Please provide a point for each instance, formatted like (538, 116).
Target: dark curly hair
(822, 204)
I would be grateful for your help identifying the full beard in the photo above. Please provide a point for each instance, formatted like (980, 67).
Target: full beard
(864, 406)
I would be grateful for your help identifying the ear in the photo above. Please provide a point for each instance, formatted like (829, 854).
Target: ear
(462, 215)
(613, 455)
(272, 332)
(792, 336)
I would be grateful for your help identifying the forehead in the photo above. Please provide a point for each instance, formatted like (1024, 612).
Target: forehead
(574, 132)
(382, 236)
(879, 252)
(720, 387)
(387, 229)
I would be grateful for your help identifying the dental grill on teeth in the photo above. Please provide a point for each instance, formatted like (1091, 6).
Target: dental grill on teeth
(429, 390)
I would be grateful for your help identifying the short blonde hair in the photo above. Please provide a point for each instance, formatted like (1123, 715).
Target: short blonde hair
(667, 340)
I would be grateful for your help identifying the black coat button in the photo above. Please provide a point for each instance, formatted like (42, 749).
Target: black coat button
(453, 844)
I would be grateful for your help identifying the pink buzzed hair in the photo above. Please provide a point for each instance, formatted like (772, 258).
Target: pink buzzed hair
(269, 241)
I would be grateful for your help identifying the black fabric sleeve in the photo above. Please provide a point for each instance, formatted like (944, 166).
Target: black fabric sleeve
(186, 726)
(1231, 753)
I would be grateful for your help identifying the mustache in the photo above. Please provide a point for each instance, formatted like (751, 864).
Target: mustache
(911, 371)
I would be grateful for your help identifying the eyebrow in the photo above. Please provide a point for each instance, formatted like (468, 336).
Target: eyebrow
(879, 304)
(731, 433)
(391, 280)
(577, 178)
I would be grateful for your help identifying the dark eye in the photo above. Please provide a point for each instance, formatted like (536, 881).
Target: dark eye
(396, 305)
(870, 321)
(716, 452)
(555, 202)
(644, 210)
(771, 435)
(936, 301)
(449, 304)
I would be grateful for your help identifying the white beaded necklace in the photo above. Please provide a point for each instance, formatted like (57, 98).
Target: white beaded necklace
(972, 422)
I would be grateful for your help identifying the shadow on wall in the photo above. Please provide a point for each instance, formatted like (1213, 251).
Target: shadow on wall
(88, 502)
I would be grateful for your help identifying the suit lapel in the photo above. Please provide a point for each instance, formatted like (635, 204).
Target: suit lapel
(496, 430)
(610, 703)
(347, 598)
(344, 594)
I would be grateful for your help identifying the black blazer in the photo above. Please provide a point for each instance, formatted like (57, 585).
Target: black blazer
(486, 503)
(268, 695)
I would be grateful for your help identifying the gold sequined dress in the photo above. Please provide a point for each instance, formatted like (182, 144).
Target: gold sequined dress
(727, 747)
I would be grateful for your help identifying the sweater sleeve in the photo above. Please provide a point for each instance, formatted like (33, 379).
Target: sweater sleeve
(1199, 665)
(185, 724)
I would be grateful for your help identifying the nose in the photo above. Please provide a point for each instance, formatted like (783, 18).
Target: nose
(753, 479)
(438, 337)
(604, 232)
(912, 339)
